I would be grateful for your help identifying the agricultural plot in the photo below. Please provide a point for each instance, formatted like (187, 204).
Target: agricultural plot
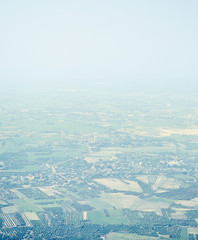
(190, 203)
(117, 184)
(51, 205)
(49, 190)
(25, 205)
(30, 168)
(34, 193)
(2, 202)
(72, 217)
(128, 236)
(120, 200)
(184, 234)
(99, 204)
(106, 154)
(31, 216)
(12, 220)
(106, 217)
(9, 209)
(169, 132)
(166, 183)
(193, 230)
(179, 214)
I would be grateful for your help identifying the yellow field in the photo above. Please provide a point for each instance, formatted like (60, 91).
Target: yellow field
(31, 216)
(120, 200)
(169, 132)
(9, 209)
(189, 203)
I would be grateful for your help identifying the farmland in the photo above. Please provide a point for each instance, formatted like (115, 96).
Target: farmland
(120, 169)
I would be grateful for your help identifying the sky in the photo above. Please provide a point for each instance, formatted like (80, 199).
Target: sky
(130, 44)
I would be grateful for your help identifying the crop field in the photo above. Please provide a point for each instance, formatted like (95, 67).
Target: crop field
(51, 205)
(120, 200)
(179, 214)
(2, 202)
(193, 230)
(24, 169)
(48, 190)
(166, 183)
(161, 181)
(106, 217)
(117, 184)
(68, 152)
(168, 132)
(189, 203)
(184, 234)
(26, 205)
(99, 204)
(128, 236)
(9, 209)
(34, 193)
(52, 122)
(160, 200)
(31, 216)
(12, 220)
(106, 154)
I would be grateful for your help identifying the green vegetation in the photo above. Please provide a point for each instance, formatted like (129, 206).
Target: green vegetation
(27, 168)
(127, 236)
(107, 217)
(55, 205)
(161, 200)
(184, 234)
(25, 205)
(99, 204)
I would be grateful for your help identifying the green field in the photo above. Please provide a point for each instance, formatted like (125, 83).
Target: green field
(25, 205)
(128, 236)
(184, 234)
(55, 205)
(98, 204)
(27, 168)
(111, 217)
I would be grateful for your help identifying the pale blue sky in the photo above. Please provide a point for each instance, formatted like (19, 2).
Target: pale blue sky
(99, 43)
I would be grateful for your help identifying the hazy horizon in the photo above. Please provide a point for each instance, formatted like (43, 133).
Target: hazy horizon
(131, 45)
